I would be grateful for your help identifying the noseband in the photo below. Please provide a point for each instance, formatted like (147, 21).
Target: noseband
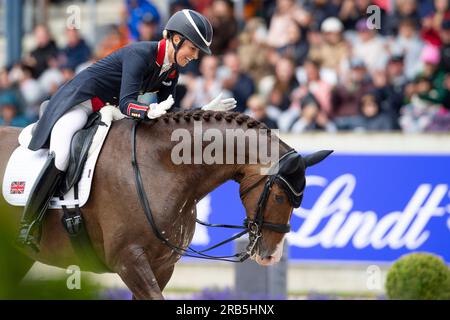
(252, 227)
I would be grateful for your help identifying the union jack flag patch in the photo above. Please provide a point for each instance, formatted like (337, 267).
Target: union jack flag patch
(17, 187)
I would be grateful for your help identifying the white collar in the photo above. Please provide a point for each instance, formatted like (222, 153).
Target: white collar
(166, 64)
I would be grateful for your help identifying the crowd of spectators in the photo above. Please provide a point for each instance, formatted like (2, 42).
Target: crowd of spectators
(296, 65)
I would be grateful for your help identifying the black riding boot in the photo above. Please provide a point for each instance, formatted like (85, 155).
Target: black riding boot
(37, 204)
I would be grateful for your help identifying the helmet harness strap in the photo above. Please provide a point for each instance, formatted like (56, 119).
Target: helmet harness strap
(177, 46)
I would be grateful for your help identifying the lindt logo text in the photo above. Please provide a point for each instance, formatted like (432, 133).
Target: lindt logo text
(344, 225)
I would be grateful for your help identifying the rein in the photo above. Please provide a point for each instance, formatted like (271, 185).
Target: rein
(252, 227)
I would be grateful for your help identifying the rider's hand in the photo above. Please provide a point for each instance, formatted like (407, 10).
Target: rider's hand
(156, 110)
(219, 104)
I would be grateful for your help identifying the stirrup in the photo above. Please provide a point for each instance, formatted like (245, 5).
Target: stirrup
(25, 237)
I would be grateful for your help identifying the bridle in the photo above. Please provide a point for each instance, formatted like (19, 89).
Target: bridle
(252, 227)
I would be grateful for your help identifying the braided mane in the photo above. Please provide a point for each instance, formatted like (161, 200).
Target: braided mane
(208, 116)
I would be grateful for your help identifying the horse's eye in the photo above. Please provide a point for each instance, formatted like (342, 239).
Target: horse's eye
(279, 198)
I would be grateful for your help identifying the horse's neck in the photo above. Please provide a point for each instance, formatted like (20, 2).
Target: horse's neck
(200, 179)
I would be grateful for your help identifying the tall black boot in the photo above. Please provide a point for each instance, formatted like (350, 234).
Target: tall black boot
(37, 204)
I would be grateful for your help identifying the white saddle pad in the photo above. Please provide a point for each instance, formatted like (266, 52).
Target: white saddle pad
(25, 165)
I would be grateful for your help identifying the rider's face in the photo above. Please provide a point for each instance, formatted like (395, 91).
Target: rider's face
(186, 53)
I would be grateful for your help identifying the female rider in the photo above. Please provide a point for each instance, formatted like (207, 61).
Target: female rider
(117, 79)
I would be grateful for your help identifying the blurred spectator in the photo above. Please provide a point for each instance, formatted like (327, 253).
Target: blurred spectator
(29, 89)
(297, 47)
(352, 11)
(408, 44)
(311, 118)
(369, 47)
(347, 94)
(51, 78)
(391, 94)
(320, 89)
(281, 21)
(137, 10)
(12, 90)
(148, 28)
(431, 59)
(257, 109)
(252, 50)
(432, 21)
(405, 9)
(10, 115)
(333, 50)
(115, 39)
(206, 87)
(419, 113)
(225, 26)
(46, 48)
(445, 49)
(284, 83)
(68, 72)
(76, 51)
(322, 9)
(371, 117)
(240, 84)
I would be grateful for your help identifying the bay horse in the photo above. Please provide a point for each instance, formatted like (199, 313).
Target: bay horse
(114, 218)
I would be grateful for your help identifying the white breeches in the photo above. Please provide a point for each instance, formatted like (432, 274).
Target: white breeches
(63, 131)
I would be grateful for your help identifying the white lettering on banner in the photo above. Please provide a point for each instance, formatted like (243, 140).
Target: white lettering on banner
(396, 229)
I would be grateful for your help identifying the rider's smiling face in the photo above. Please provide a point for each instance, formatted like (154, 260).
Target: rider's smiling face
(187, 52)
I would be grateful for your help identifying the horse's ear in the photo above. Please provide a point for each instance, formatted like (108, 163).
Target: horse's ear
(316, 157)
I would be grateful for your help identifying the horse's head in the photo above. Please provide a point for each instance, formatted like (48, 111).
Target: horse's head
(270, 200)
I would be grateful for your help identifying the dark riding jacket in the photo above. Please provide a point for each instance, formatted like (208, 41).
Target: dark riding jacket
(117, 79)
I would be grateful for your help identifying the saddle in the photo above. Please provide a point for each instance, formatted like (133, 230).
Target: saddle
(79, 150)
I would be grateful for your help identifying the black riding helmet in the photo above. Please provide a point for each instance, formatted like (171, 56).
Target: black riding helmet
(193, 26)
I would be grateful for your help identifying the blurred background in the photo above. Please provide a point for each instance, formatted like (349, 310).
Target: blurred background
(369, 79)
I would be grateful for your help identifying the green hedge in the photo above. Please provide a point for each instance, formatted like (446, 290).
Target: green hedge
(420, 276)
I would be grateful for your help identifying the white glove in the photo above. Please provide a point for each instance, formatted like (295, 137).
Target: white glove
(156, 110)
(219, 104)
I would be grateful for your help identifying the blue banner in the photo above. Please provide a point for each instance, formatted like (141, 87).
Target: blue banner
(356, 208)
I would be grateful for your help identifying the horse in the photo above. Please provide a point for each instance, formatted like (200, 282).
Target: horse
(116, 222)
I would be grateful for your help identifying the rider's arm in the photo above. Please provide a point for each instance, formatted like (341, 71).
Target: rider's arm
(168, 87)
(133, 68)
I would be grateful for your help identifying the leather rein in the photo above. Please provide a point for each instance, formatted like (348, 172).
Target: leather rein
(252, 227)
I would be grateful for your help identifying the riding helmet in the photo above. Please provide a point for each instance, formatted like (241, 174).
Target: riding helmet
(193, 26)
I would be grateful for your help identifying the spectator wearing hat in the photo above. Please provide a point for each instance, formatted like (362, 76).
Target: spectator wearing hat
(408, 44)
(334, 49)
